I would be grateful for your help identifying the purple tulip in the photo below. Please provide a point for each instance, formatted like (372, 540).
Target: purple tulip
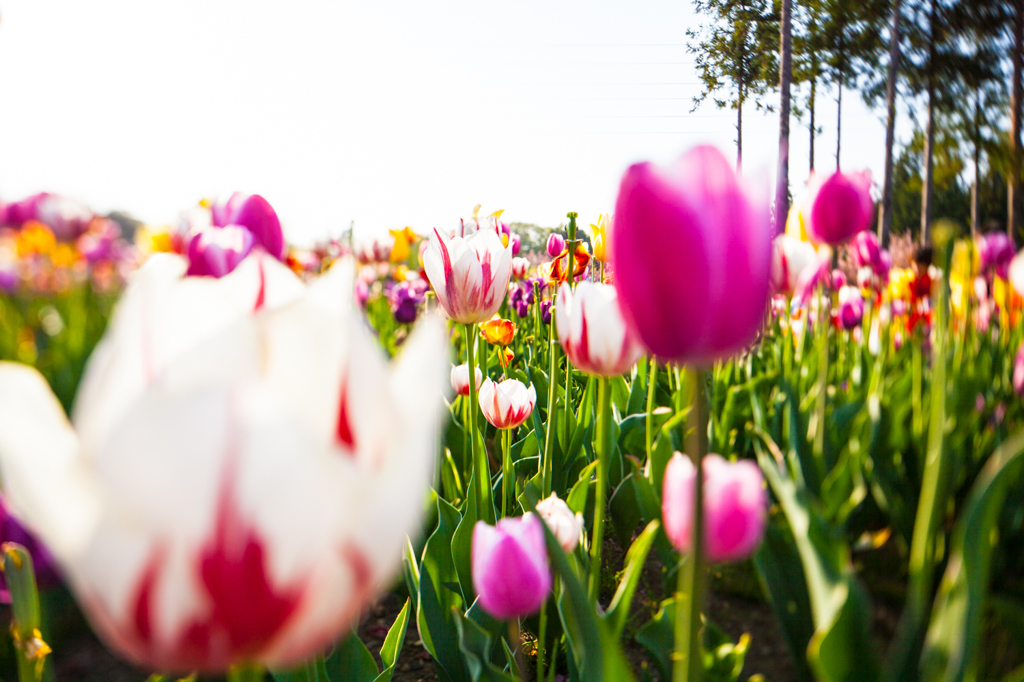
(19, 212)
(545, 311)
(405, 299)
(216, 251)
(556, 244)
(735, 506)
(840, 207)
(995, 251)
(851, 307)
(691, 253)
(510, 566)
(522, 298)
(100, 242)
(12, 530)
(254, 213)
(1018, 371)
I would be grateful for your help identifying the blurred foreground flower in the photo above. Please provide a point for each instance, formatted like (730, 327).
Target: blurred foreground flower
(243, 468)
(735, 506)
(691, 251)
(510, 566)
(592, 332)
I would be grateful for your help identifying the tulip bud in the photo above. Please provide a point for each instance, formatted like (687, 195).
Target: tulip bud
(691, 252)
(840, 207)
(556, 244)
(507, 404)
(520, 266)
(216, 251)
(498, 331)
(592, 331)
(566, 527)
(510, 566)
(735, 506)
(460, 378)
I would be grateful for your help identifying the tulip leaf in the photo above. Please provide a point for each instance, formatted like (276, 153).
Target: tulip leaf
(440, 595)
(314, 670)
(625, 511)
(637, 403)
(393, 643)
(462, 541)
(957, 622)
(723, 659)
(620, 393)
(350, 660)
(618, 609)
(510, 658)
(475, 644)
(577, 498)
(411, 568)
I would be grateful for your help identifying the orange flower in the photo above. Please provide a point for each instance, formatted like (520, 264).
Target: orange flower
(581, 258)
(64, 256)
(498, 331)
(34, 237)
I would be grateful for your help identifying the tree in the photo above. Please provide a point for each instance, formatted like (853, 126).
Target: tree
(885, 208)
(735, 53)
(785, 76)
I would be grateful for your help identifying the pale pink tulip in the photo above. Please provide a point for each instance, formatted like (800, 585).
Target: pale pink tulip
(510, 566)
(565, 526)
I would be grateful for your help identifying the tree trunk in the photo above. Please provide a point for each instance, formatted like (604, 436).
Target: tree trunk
(927, 181)
(839, 113)
(885, 210)
(785, 76)
(810, 105)
(1013, 214)
(739, 114)
(975, 205)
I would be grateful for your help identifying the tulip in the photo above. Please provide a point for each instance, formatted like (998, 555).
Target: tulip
(254, 213)
(838, 279)
(599, 236)
(579, 263)
(520, 266)
(840, 206)
(215, 252)
(866, 251)
(507, 404)
(401, 240)
(692, 257)
(592, 331)
(517, 244)
(1015, 273)
(498, 331)
(460, 378)
(790, 257)
(405, 299)
(851, 307)
(735, 506)
(995, 251)
(13, 530)
(1018, 371)
(240, 478)
(545, 311)
(470, 276)
(556, 244)
(510, 566)
(565, 526)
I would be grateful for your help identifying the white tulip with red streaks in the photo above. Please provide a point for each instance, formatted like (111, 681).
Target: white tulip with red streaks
(592, 331)
(469, 275)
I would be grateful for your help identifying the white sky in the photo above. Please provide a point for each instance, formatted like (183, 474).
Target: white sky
(386, 113)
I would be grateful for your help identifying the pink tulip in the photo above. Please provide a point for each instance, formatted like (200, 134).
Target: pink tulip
(254, 213)
(995, 251)
(510, 566)
(556, 245)
(508, 404)
(838, 279)
(236, 484)
(735, 506)
(866, 251)
(790, 257)
(592, 331)
(470, 276)
(840, 207)
(1018, 371)
(460, 378)
(520, 266)
(516, 242)
(691, 252)
(216, 251)
(565, 526)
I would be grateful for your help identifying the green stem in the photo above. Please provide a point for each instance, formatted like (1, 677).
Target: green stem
(483, 479)
(571, 245)
(245, 672)
(688, 664)
(549, 439)
(652, 382)
(540, 639)
(604, 411)
(506, 474)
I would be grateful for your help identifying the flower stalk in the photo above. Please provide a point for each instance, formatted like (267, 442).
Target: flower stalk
(604, 445)
(483, 478)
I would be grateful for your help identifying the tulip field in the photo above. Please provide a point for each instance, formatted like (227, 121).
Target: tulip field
(434, 454)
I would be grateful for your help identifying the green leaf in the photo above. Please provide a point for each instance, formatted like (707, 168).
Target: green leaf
(957, 623)
(618, 609)
(392, 646)
(577, 498)
(351, 660)
(475, 644)
(625, 511)
(462, 541)
(723, 660)
(440, 595)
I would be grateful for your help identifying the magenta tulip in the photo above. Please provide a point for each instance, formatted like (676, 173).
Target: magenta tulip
(254, 213)
(691, 252)
(851, 307)
(866, 251)
(1018, 371)
(840, 207)
(735, 506)
(995, 251)
(556, 245)
(510, 566)
(217, 251)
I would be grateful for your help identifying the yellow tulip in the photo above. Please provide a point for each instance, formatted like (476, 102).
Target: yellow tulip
(498, 331)
(403, 239)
